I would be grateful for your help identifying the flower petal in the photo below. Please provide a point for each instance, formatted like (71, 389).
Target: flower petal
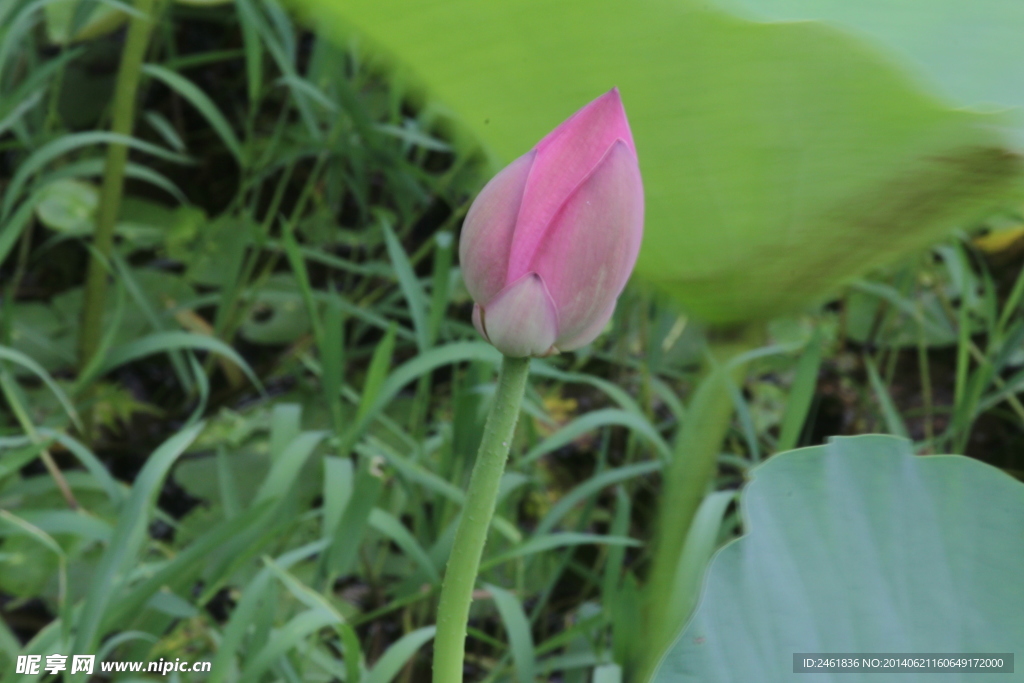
(589, 250)
(565, 158)
(586, 334)
(486, 238)
(521, 320)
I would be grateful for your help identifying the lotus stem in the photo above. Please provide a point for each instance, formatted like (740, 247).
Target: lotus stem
(471, 535)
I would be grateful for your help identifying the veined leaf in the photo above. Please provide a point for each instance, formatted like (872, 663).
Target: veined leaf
(859, 546)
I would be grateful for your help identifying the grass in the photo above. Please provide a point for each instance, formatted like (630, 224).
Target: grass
(288, 394)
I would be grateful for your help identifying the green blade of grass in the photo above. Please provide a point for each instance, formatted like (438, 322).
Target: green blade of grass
(290, 636)
(541, 368)
(180, 571)
(69, 143)
(285, 427)
(556, 540)
(85, 527)
(165, 342)
(616, 554)
(129, 535)
(242, 617)
(517, 628)
(591, 487)
(203, 104)
(332, 359)
(253, 56)
(14, 460)
(114, 490)
(595, 420)
(414, 472)
(396, 657)
(893, 421)
(226, 485)
(285, 469)
(85, 168)
(380, 363)
(128, 279)
(390, 526)
(338, 484)
(801, 393)
(410, 284)
(344, 547)
(746, 420)
(439, 293)
(700, 543)
(159, 123)
(19, 358)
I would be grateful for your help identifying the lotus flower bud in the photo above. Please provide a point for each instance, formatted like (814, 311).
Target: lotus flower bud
(550, 241)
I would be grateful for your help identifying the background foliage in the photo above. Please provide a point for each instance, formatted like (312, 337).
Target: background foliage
(264, 465)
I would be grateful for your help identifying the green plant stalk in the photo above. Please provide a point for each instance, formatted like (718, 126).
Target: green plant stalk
(471, 535)
(687, 481)
(137, 41)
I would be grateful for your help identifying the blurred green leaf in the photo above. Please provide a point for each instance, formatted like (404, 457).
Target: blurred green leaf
(27, 565)
(38, 332)
(146, 224)
(48, 334)
(215, 257)
(69, 206)
(779, 160)
(986, 67)
(859, 546)
(279, 315)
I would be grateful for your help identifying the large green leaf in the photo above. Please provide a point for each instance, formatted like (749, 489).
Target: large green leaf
(972, 51)
(860, 546)
(779, 160)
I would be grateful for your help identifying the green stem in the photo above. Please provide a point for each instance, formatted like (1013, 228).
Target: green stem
(113, 179)
(688, 479)
(481, 498)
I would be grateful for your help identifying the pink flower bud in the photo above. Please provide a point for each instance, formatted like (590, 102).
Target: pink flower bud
(551, 240)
